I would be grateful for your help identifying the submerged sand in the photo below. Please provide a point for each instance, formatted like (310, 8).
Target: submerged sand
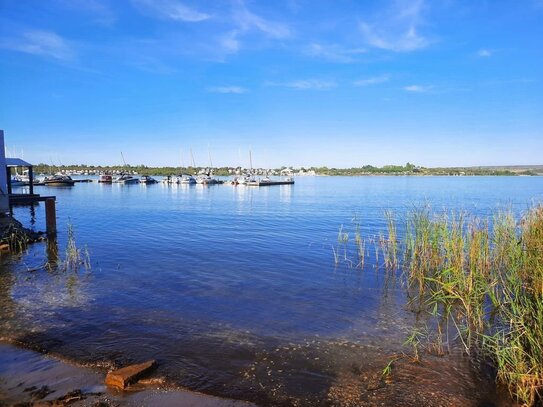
(28, 377)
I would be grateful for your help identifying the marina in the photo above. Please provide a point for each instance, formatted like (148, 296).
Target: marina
(169, 180)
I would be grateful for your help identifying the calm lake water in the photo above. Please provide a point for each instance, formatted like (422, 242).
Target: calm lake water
(234, 290)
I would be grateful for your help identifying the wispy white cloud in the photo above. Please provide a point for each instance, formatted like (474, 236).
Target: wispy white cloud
(227, 89)
(42, 43)
(172, 10)
(484, 53)
(372, 81)
(407, 41)
(229, 42)
(398, 28)
(334, 53)
(306, 84)
(417, 88)
(246, 20)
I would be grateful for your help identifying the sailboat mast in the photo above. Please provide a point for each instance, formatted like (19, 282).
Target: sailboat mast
(209, 153)
(124, 162)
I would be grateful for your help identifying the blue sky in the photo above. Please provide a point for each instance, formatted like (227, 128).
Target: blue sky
(299, 82)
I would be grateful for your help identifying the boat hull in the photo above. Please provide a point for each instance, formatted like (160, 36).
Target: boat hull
(128, 181)
(59, 183)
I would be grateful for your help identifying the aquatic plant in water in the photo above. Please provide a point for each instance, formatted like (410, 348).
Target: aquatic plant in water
(16, 239)
(484, 279)
(75, 257)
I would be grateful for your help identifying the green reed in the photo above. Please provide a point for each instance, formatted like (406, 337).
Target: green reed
(488, 283)
(484, 279)
(360, 243)
(75, 257)
(390, 244)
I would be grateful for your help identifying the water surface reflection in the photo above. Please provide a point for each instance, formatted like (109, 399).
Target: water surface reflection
(235, 292)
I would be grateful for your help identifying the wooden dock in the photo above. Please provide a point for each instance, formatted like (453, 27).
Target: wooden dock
(27, 199)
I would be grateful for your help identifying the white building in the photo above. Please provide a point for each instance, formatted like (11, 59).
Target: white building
(4, 198)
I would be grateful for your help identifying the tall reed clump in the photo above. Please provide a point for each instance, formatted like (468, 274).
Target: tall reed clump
(516, 343)
(75, 257)
(479, 278)
(360, 243)
(486, 278)
(390, 245)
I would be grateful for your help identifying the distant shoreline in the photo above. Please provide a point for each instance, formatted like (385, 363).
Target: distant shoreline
(367, 170)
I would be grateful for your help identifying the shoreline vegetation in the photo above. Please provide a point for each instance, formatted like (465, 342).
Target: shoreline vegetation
(14, 237)
(473, 282)
(407, 169)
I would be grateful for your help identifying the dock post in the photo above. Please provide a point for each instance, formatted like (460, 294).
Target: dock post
(31, 179)
(50, 217)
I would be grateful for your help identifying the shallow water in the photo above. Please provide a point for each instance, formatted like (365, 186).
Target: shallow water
(234, 289)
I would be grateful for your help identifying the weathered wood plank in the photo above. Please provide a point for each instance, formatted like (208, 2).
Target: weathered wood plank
(125, 376)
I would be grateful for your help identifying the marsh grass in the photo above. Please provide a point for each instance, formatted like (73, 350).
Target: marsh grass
(75, 257)
(360, 246)
(390, 244)
(479, 279)
(16, 239)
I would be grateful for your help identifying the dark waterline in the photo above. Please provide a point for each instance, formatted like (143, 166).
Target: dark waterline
(234, 289)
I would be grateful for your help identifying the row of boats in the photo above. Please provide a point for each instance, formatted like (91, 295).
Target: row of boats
(207, 179)
(51, 180)
(126, 179)
(66, 180)
(171, 179)
(183, 179)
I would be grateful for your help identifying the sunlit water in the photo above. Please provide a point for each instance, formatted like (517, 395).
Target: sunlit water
(235, 290)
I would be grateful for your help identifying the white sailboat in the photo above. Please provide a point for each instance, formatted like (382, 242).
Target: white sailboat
(126, 178)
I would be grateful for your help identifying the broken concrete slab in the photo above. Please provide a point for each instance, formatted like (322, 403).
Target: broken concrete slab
(125, 376)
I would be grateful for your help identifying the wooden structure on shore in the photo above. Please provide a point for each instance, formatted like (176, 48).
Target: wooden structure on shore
(17, 162)
(8, 198)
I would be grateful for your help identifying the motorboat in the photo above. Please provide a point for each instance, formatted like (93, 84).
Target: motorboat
(59, 180)
(187, 180)
(206, 179)
(244, 179)
(126, 179)
(106, 178)
(18, 181)
(266, 180)
(147, 180)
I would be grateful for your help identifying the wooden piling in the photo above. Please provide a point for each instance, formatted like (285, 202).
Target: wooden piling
(50, 216)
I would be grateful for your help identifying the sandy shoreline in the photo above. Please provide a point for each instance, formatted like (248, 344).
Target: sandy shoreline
(28, 377)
